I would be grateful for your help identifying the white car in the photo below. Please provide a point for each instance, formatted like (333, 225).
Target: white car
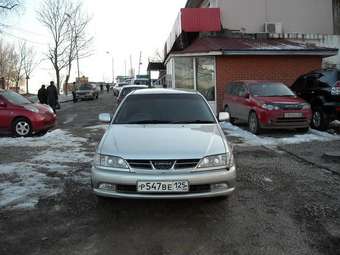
(163, 143)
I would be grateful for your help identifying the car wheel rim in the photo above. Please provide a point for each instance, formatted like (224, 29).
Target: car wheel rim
(22, 128)
(316, 119)
(252, 125)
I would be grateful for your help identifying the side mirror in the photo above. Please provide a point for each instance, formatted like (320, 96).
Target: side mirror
(224, 116)
(105, 117)
(3, 104)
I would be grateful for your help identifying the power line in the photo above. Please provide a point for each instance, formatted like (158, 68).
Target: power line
(23, 30)
(24, 39)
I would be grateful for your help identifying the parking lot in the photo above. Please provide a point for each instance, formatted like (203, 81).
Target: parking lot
(287, 199)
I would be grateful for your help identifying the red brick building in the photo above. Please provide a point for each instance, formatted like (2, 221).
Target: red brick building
(200, 55)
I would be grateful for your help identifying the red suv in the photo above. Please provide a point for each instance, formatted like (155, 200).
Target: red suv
(266, 104)
(21, 117)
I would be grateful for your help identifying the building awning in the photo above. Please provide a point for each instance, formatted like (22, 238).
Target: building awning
(242, 46)
(156, 66)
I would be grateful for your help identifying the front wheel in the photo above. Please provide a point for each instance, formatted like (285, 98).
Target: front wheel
(320, 120)
(253, 123)
(22, 127)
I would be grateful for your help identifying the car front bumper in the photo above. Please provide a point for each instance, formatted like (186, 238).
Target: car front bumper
(277, 119)
(202, 184)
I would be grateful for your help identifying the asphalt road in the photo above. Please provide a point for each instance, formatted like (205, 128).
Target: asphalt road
(286, 202)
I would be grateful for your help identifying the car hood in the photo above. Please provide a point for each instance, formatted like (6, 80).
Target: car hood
(162, 141)
(280, 100)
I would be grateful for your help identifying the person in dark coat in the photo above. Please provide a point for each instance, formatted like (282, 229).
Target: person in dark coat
(52, 96)
(74, 93)
(42, 95)
(101, 88)
(108, 88)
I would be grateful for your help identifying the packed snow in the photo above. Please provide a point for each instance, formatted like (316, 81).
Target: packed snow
(248, 138)
(23, 183)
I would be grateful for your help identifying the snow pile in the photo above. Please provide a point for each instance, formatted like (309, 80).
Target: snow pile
(251, 139)
(22, 184)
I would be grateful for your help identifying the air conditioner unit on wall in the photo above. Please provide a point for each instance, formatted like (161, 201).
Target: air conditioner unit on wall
(273, 28)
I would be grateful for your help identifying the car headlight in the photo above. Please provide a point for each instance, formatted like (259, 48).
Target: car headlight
(31, 108)
(110, 162)
(222, 160)
(306, 106)
(49, 108)
(270, 107)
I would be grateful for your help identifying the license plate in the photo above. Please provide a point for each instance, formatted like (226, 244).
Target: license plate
(293, 115)
(162, 186)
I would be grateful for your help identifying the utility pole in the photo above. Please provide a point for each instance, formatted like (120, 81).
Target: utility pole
(140, 62)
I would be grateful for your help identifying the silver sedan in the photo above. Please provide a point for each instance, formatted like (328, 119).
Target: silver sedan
(163, 143)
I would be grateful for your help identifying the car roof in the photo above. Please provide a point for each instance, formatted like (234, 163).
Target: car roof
(157, 91)
(254, 82)
(134, 86)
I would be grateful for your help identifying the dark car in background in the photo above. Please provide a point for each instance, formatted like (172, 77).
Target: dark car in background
(321, 88)
(87, 92)
(124, 91)
(266, 105)
(20, 117)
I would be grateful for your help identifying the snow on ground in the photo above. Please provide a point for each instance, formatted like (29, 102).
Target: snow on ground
(23, 183)
(103, 127)
(263, 140)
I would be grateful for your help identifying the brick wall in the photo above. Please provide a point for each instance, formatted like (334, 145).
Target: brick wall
(285, 69)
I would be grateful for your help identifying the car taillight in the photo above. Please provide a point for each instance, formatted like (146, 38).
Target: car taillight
(337, 84)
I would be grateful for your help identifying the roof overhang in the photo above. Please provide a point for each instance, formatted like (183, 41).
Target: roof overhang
(322, 53)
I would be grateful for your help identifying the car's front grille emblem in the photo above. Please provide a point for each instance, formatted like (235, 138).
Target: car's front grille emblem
(163, 164)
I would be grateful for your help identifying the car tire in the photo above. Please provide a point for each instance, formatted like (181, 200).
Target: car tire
(232, 120)
(253, 123)
(320, 120)
(22, 127)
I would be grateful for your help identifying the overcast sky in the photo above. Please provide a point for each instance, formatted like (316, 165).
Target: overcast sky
(121, 27)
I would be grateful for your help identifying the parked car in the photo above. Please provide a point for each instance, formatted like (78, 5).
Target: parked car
(126, 90)
(266, 105)
(163, 143)
(118, 87)
(321, 89)
(21, 117)
(87, 91)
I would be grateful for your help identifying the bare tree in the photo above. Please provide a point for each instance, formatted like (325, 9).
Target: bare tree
(9, 4)
(19, 64)
(80, 42)
(30, 64)
(53, 14)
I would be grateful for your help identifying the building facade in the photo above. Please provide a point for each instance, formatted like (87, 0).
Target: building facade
(214, 42)
(295, 16)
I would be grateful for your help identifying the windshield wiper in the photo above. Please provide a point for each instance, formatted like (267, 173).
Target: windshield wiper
(195, 122)
(150, 122)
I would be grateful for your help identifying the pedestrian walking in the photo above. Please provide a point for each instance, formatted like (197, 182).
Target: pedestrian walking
(108, 88)
(101, 88)
(42, 95)
(52, 96)
(74, 94)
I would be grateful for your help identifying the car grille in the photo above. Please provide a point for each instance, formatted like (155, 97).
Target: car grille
(192, 189)
(290, 106)
(163, 164)
(290, 121)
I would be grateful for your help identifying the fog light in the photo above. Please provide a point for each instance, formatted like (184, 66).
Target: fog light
(219, 186)
(107, 186)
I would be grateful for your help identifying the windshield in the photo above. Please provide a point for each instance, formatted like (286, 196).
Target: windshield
(270, 90)
(126, 91)
(85, 87)
(164, 109)
(15, 98)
